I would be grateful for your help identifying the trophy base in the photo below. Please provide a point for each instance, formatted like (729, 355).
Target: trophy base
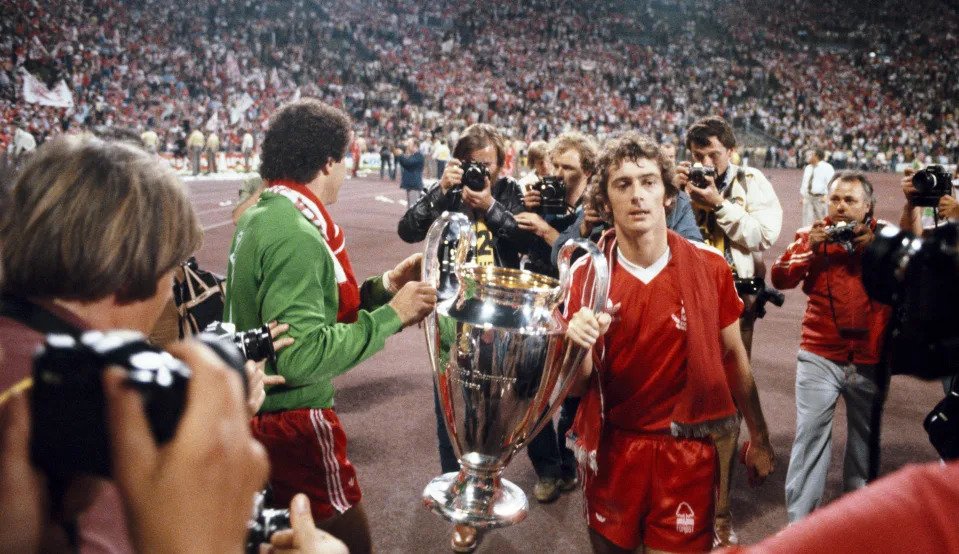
(483, 501)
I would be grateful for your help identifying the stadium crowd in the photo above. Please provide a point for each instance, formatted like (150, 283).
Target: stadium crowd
(603, 94)
(797, 77)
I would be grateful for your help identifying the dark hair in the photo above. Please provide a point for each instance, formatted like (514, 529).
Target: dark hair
(303, 136)
(707, 127)
(477, 137)
(820, 153)
(852, 175)
(630, 146)
(89, 218)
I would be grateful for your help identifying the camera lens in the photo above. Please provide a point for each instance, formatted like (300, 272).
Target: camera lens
(256, 344)
(924, 181)
(885, 260)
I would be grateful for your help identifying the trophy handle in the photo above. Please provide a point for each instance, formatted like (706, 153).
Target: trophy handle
(574, 354)
(439, 268)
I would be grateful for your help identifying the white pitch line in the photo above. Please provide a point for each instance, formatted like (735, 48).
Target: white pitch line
(217, 225)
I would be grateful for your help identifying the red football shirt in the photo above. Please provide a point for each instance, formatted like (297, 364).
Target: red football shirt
(642, 358)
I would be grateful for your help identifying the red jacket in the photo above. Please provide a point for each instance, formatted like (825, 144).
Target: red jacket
(840, 272)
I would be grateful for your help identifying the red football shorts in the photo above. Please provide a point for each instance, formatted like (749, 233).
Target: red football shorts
(652, 489)
(307, 450)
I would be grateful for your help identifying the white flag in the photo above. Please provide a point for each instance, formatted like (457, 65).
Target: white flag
(212, 122)
(241, 106)
(35, 92)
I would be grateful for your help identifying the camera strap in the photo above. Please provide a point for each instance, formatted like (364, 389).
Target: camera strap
(35, 316)
(847, 333)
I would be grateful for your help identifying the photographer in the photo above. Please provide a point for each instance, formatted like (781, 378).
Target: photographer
(573, 159)
(739, 214)
(919, 219)
(842, 333)
(537, 159)
(104, 263)
(288, 262)
(489, 202)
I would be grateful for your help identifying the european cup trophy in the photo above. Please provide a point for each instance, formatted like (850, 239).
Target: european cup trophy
(502, 369)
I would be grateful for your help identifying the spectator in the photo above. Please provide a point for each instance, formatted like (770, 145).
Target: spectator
(211, 148)
(815, 180)
(411, 161)
(246, 148)
(195, 144)
(441, 153)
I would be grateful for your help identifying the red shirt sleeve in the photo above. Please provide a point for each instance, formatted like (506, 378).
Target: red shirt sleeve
(730, 306)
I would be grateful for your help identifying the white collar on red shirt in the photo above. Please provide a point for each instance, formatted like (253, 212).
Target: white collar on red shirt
(644, 274)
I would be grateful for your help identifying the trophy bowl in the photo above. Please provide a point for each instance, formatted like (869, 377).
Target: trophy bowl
(501, 364)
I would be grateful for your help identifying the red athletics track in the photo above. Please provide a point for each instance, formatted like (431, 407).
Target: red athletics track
(387, 408)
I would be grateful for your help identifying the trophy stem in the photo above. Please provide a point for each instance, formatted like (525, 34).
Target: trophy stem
(476, 497)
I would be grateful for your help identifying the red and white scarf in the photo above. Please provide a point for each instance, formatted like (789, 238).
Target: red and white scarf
(312, 209)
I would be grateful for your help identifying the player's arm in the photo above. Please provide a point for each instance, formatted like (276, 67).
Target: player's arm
(760, 459)
(242, 206)
(299, 289)
(584, 329)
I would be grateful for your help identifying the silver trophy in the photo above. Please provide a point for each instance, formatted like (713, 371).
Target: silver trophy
(508, 368)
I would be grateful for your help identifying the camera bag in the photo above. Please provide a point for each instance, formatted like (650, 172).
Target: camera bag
(200, 296)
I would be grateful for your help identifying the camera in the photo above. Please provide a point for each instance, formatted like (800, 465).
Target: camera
(842, 233)
(552, 192)
(67, 402)
(917, 278)
(474, 175)
(698, 174)
(255, 344)
(931, 183)
(764, 293)
(264, 522)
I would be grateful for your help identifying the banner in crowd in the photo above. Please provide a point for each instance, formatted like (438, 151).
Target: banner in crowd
(35, 92)
(241, 106)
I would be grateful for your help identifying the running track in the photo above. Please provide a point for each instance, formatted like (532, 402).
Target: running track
(387, 408)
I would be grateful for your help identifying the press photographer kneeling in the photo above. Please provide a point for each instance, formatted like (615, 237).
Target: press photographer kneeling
(89, 241)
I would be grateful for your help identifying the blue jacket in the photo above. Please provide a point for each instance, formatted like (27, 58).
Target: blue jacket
(412, 171)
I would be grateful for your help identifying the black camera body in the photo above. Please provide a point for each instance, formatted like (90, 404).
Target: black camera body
(68, 407)
(474, 175)
(931, 183)
(698, 174)
(552, 192)
(255, 344)
(265, 522)
(764, 293)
